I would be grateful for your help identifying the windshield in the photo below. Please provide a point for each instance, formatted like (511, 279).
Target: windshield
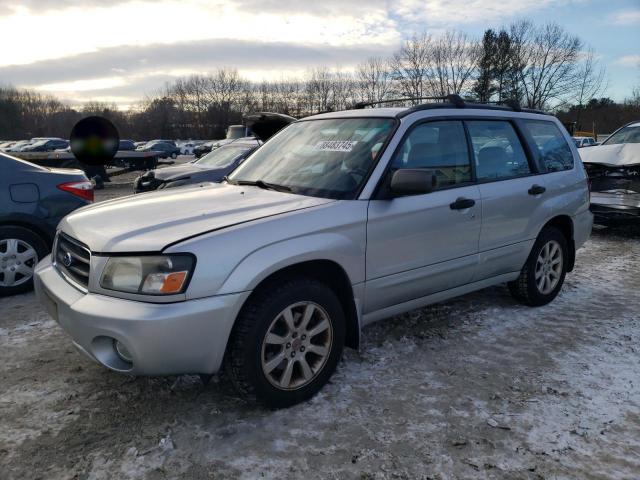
(629, 134)
(223, 157)
(324, 158)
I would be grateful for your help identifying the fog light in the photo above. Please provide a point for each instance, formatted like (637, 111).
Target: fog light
(122, 351)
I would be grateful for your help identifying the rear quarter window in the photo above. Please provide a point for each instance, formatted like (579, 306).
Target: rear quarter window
(553, 150)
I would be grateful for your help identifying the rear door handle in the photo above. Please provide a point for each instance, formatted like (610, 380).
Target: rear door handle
(462, 204)
(537, 190)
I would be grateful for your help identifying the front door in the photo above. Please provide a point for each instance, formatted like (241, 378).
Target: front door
(422, 244)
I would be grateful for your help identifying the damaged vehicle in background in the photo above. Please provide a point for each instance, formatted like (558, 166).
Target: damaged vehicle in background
(614, 172)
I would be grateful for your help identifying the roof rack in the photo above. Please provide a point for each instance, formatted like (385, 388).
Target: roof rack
(454, 99)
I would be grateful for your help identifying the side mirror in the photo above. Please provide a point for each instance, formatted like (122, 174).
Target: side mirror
(412, 181)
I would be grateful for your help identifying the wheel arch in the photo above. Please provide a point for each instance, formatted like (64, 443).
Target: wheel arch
(564, 223)
(335, 277)
(39, 229)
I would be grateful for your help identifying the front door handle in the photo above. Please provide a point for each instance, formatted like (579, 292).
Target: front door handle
(537, 190)
(462, 204)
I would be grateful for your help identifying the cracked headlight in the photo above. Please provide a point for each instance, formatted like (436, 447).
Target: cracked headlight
(148, 275)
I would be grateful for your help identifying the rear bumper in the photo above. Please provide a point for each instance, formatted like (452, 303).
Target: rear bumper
(162, 339)
(582, 226)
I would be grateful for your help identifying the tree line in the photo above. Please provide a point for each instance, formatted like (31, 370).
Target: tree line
(539, 66)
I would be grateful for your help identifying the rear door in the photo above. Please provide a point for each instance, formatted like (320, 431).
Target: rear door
(512, 192)
(418, 245)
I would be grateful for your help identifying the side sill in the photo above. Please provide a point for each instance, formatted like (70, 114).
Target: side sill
(436, 297)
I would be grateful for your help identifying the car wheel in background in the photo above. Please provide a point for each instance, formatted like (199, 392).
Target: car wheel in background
(286, 342)
(174, 155)
(20, 251)
(542, 277)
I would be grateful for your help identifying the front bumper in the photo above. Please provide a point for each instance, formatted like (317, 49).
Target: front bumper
(162, 339)
(615, 206)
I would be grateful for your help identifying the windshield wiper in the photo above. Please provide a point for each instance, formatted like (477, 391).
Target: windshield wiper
(261, 184)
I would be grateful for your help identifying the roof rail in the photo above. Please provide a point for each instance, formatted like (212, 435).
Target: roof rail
(452, 98)
(506, 105)
(447, 101)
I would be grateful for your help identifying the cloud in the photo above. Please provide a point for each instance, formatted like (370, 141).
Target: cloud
(628, 61)
(76, 29)
(135, 70)
(627, 17)
(456, 12)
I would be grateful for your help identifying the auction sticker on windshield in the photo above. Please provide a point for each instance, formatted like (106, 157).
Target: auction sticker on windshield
(335, 145)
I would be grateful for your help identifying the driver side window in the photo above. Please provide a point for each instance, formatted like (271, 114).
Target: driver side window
(438, 146)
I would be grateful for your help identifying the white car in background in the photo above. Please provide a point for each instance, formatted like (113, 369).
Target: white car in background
(584, 141)
(614, 171)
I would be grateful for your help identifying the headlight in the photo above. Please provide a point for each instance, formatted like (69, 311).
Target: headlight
(151, 275)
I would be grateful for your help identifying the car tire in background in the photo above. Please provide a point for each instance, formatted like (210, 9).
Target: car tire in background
(174, 155)
(20, 251)
(286, 342)
(543, 274)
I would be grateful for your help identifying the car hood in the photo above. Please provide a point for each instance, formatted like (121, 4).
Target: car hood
(177, 172)
(619, 155)
(150, 222)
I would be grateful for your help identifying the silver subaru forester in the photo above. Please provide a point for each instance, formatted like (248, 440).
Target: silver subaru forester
(339, 220)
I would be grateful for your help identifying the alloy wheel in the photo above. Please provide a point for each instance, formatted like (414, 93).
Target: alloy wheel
(297, 345)
(549, 267)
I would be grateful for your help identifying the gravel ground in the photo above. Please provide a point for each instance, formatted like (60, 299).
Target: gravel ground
(478, 387)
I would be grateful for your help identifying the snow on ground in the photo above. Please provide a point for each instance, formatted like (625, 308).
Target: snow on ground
(478, 387)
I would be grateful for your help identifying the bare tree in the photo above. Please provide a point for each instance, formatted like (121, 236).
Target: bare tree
(547, 63)
(319, 88)
(452, 63)
(374, 79)
(590, 81)
(410, 66)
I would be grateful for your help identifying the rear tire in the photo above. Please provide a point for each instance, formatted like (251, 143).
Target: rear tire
(543, 274)
(286, 342)
(20, 250)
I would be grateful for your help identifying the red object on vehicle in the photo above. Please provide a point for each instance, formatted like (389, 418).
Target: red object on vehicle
(82, 189)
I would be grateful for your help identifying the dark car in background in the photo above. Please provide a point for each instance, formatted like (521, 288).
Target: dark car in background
(213, 167)
(165, 148)
(219, 162)
(48, 145)
(203, 148)
(126, 145)
(33, 200)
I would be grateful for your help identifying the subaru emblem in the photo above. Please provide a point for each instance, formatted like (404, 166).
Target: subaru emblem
(67, 259)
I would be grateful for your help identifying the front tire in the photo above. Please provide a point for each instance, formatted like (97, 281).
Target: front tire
(286, 342)
(542, 277)
(20, 251)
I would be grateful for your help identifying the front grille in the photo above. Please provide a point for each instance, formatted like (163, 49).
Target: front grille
(72, 259)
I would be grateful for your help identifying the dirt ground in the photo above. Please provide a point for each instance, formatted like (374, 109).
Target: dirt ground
(478, 387)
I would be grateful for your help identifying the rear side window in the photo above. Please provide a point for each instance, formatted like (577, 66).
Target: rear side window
(437, 146)
(555, 154)
(497, 150)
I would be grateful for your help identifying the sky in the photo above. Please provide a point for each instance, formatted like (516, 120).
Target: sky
(120, 50)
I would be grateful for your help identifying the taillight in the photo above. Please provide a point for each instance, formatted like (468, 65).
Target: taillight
(82, 189)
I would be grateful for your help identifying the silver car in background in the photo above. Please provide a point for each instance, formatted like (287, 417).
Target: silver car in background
(339, 220)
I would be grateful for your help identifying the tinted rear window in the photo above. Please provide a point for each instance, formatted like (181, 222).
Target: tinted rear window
(554, 151)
